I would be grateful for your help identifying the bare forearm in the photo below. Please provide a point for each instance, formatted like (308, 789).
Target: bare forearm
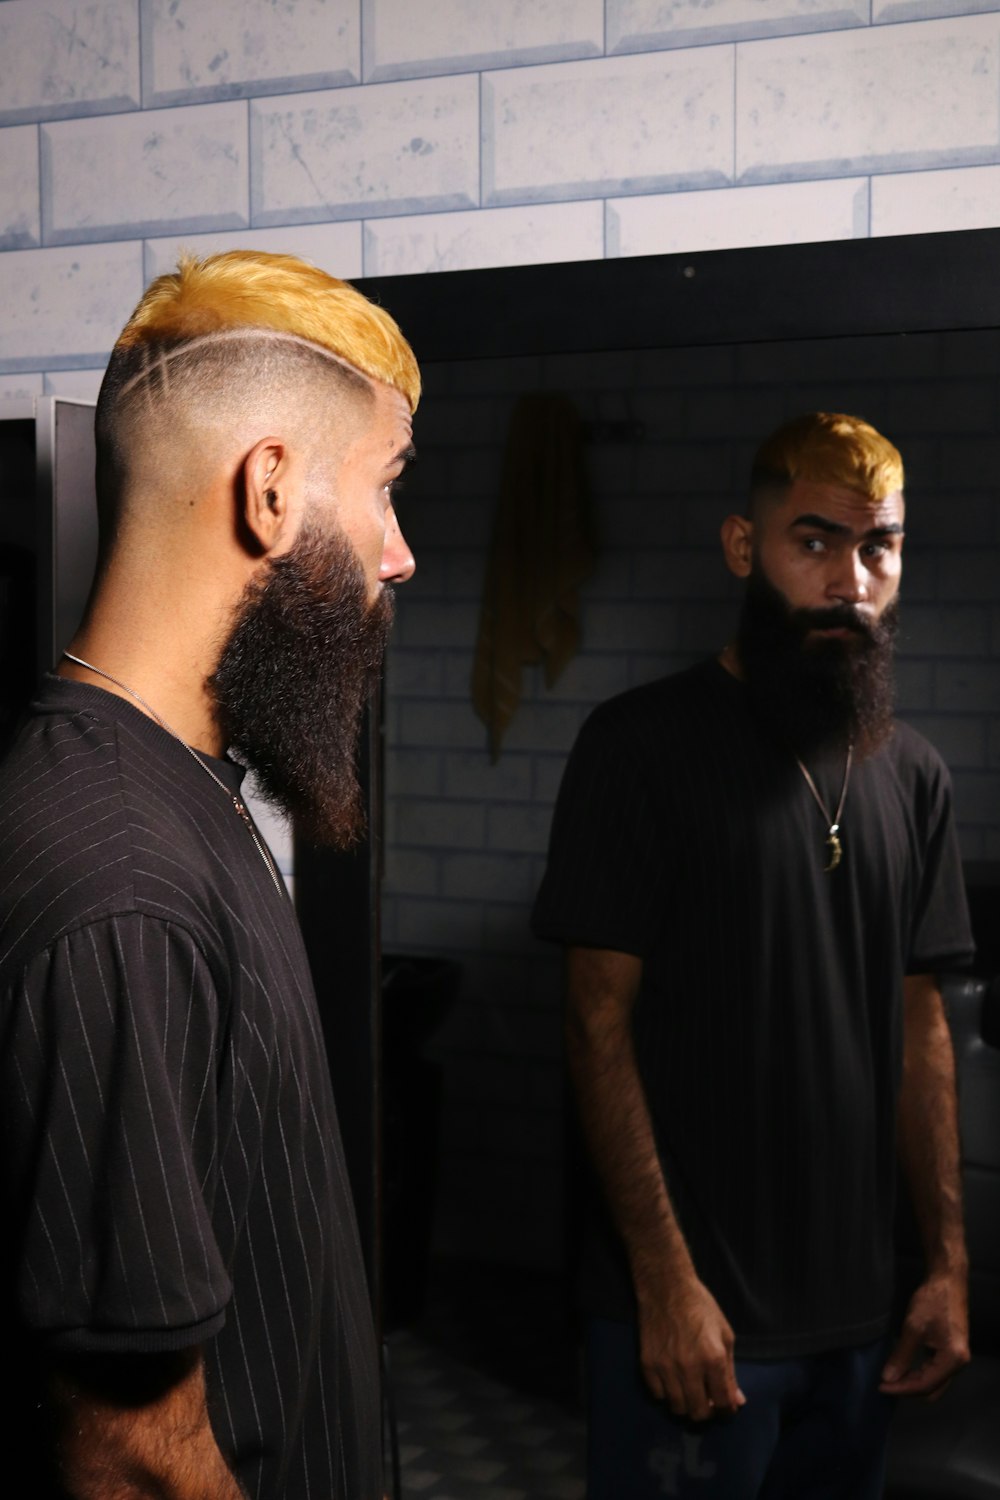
(150, 1442)
(928, 1127)
(685, 1343)
(616, 1123)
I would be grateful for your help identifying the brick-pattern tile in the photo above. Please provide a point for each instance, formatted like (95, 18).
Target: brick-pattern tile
(63, 58)
(405, 41)
(65, 307)
(193, 52)
(648, 25)
(876, 99)
(928, 202)
(388, 148)
(20, 213)
(143, 174)
(334, 247)
(560, 132)
(532, 235)
(791, 213)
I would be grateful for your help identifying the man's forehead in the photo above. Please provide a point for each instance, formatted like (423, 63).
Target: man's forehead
(839, 503)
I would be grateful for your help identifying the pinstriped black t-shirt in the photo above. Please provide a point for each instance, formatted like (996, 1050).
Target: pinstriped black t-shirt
(768, 1026)
(172, 1168)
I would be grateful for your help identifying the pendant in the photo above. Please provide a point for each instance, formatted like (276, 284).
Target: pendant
(836, 852)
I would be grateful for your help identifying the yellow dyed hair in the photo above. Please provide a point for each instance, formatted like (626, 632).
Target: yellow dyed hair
(252, 289)
(827, 448)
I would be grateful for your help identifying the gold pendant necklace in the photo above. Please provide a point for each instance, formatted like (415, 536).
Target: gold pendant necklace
(833, 843)
(238, 806)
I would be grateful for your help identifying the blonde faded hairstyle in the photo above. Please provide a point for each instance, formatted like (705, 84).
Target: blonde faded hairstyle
(826, 447)
(223, 345)
(251, 289)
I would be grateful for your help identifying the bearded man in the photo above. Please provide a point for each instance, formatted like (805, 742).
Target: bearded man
(755, 873)
(184, 1303)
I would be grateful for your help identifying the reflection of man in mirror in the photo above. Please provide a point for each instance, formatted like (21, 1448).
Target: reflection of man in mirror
(755, 872)
(185, 1309)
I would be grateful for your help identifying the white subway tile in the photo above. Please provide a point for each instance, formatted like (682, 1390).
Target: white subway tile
(620, 125)
(20, 391)
(404, 40)
(64, 308)
(20, 225)
(333, 247)
(83, 385)
(533, 235)
(382, 149)
(919, 95)
(180, 169)
(922, 202)
(228, 49)
(66, 58)
(651, 25)
(925, 10)
(724, 218)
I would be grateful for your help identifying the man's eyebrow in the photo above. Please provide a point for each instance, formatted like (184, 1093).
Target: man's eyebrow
(836, 528)
(407, 455)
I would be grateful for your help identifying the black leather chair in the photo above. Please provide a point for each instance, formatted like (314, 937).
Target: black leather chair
(950, 1449)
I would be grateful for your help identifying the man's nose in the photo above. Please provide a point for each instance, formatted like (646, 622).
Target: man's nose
(848, 581)
(397, 560)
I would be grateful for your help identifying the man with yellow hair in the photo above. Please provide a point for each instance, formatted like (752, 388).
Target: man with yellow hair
(755, 873)
(186, 1309)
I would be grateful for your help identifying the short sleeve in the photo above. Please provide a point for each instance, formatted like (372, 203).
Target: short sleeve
(941, 935)
(603, 881)
(108, 1103)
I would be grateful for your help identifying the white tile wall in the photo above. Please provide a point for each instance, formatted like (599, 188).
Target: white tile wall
(461, 241)
(726, 218)
(82, 384)
(232, 48)
(404, 40)
(385, 148)
(334, 247)
(915, 202)
(561, 131)
(67, 58)
(925, 10)
(20, 220)
(19, 389)
(649, 25)
(875, 99)
(121, 176)
(65, 307)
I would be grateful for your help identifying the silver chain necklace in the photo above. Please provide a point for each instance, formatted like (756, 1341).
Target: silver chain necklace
(237, 804)
(833, 831)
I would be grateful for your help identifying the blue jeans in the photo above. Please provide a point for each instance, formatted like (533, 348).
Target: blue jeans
(813, 1428)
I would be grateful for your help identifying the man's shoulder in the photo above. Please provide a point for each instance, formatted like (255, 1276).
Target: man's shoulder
(912, 756)
(81, 839)
(666, 704)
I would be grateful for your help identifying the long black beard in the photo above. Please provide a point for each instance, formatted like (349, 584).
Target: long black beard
(293, 679)
(816, 694)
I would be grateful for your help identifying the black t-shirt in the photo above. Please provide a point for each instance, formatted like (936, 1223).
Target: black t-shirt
(172, 1172)
(768, 1028)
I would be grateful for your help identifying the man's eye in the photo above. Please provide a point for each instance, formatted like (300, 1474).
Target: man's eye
(814, 544)
(875, 549)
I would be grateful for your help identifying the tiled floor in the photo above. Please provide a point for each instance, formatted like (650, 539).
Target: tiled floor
(485, 1392)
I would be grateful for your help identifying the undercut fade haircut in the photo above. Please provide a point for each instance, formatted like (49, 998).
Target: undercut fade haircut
(253, 289)
(826, 447)
(217, 334)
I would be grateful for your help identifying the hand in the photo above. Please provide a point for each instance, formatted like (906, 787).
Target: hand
(934, 1343)
(686, 1352)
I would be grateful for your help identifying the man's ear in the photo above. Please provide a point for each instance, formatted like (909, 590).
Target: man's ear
(266, 497)
(737, 545)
